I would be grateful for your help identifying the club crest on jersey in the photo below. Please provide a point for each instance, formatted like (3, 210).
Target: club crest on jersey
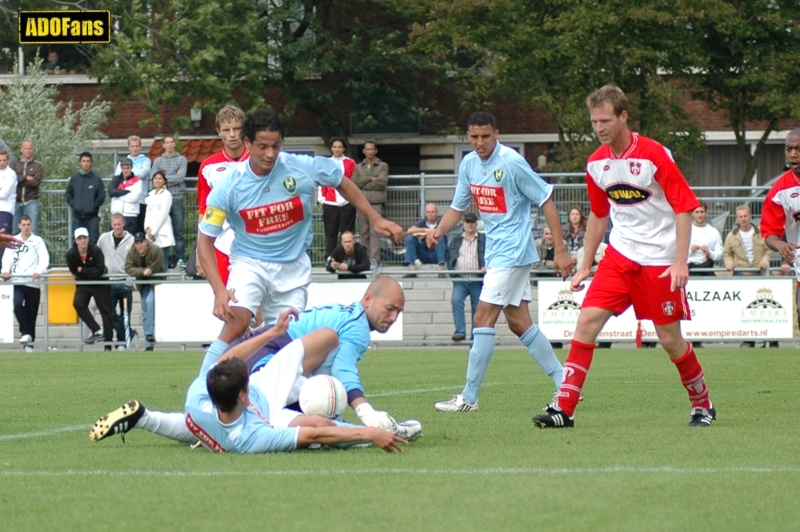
(290, 185)
(636, 167)
(498, 175)
(627, 194)
(668, 308)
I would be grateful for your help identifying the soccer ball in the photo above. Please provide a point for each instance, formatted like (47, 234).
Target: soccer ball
(323, 395)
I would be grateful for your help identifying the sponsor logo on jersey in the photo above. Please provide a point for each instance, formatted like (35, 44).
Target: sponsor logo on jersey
(290, 185)
(794, 195)
(490, 200)
(627, 194)
(273, 217)
(498, 175)
(204, 437)
(668, 308)
(606, 168)
(636, 167)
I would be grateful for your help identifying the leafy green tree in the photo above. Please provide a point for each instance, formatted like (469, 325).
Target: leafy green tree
(746, 64)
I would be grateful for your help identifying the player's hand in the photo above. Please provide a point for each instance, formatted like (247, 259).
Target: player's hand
(390, 229)
(282, 325)
(375, 418)
(679, 275)
(562, 264)
(385, 440)
(432, 238)
(221, 309)
(6, 276)
(8, 241)
(786, 249)
(576, 284)
(694, 247)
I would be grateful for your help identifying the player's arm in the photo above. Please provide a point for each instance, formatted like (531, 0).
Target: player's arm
(248, 348)
(679, 270)
(562, 263)
(448, 222)
(333, 435)
(353, 194)
(773, 220)
(786, 249)
(596, 228)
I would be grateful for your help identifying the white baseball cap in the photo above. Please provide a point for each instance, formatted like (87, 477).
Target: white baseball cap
(81, 231)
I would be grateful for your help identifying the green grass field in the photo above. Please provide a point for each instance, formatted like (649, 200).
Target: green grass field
(630, 463)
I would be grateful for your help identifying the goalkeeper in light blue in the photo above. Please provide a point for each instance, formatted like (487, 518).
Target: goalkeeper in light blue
(504, 187)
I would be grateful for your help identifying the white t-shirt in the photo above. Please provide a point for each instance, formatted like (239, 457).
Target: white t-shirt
(747, 242)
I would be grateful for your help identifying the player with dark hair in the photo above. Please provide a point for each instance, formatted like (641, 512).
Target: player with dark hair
(268, 202)
(504, 186)
(634, 181)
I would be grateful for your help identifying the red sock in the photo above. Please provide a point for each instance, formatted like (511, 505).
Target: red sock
(575, 369)
(692, 378)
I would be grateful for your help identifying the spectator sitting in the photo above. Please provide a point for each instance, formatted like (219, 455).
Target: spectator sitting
(125, 190)
(349, 259)
(574, 232)
(86, 262)
(142, 262)
(157, 223)
(416, 245)
(26, 263)
(545, 248)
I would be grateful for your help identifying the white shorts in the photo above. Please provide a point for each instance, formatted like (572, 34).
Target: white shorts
(507, 286)
(278, 285)
(280, 381)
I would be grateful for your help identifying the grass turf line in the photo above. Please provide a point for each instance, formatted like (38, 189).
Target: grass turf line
(630, 463)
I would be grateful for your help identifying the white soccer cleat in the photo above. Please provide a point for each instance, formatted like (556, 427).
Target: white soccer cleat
(457, 403)
(409, 430)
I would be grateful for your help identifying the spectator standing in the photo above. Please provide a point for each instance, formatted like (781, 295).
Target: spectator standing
(29, 176)
(350, 257)
(85, 195)
(546, 249)
(141, 169)
(744, 246)
(125, 189)
(157, 223)
(416, 246)
(8, 191)
(372, 177)
(87, 263)
(705, 245)
(466, 253)
(115, 245)
(4, 146)
(173, 164)
(143, 261)
(338, 215)
(26, 263)
(573, 232)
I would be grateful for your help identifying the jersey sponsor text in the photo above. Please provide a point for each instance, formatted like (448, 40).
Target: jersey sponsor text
(273, 217)
(490, 200)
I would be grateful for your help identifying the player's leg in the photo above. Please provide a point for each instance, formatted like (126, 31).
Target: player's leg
(286, 286)
(133, 414)
(521, 324)
(247, 280)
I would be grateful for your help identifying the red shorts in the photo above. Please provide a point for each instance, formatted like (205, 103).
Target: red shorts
(223, 265)
(620, 283)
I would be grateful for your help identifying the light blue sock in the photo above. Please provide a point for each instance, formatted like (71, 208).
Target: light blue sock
(479, 357)
(542, 352)
(215, 350)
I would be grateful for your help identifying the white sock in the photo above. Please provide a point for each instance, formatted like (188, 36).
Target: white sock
(171, 425)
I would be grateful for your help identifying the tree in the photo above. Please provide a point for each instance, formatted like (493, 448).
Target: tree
(747, 65)
(551, 54)
(319, 56)
(30, 111)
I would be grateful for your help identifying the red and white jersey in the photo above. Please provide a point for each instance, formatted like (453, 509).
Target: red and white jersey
(781, 213)
(331, 196)
(642, 191)
(213, 170)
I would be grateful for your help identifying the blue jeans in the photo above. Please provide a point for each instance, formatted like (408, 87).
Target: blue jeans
(165, 254)
(91, 224)
(418, 249)
(148, 294)
(461, 290)
(120, 292)
(177, 214)
(32, 210)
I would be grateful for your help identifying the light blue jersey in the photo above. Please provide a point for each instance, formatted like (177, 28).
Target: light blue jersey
(503, 187)
(350, 323)
(271, 214)
(251, 433)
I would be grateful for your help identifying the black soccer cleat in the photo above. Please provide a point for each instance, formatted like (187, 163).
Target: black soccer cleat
(702, 417)
(118, 421)
(553, 419)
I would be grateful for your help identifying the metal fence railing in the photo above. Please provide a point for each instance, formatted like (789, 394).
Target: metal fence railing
(406, 199)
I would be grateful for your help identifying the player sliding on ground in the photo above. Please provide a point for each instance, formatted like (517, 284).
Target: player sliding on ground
(634, 180)
(378, 309)
(229, 410)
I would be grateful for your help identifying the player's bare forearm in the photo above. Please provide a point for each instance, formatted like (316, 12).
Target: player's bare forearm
(785, 249)
(332, 435)
(446, 224)
(353, 194)
(595, 233)
(562, 263)
(248, 348)
(683, 232)
(208, 261)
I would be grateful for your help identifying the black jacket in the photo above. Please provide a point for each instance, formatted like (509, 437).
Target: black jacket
(93, 268)
(85, 194)
(357, 263)
(455, 247)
